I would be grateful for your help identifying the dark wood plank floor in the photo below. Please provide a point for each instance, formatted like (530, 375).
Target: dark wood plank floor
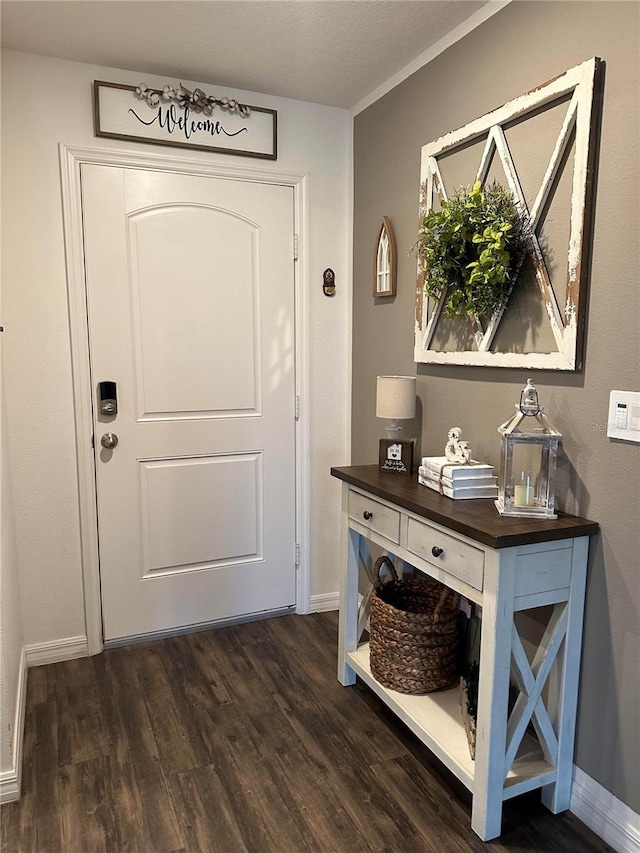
(240, 739)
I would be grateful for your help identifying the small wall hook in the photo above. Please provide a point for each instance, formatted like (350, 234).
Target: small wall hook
(329, 282)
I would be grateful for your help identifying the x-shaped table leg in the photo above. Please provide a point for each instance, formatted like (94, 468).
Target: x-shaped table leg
(531, 680)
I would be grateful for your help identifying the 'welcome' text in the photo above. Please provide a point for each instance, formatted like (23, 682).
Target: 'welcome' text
(172, 121)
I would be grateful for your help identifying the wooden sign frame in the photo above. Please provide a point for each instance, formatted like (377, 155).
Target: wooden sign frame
(119, 114)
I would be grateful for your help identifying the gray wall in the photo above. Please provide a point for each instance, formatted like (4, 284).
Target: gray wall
(522, 46)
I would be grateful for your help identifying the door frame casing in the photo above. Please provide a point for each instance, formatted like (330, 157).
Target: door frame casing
(72, 158)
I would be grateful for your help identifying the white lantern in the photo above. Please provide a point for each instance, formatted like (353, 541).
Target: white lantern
(528, 460)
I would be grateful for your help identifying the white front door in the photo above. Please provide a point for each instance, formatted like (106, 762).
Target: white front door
(190, 299)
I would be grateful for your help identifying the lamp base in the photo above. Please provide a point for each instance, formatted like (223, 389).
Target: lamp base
(394, 430)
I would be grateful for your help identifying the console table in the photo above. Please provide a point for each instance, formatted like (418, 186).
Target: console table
(505, 565)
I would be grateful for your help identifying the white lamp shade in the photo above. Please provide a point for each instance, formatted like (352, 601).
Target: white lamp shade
(396, 397)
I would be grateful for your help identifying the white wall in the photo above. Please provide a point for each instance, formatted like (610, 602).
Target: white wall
(47, 101)
(10, 617)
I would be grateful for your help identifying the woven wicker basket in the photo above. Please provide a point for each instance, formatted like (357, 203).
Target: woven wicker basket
(413, 632)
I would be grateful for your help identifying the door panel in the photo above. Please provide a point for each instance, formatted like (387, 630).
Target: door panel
(191, 305)
(221, 319)
(185, 524)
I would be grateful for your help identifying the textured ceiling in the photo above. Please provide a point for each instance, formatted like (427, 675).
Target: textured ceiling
(332, 52)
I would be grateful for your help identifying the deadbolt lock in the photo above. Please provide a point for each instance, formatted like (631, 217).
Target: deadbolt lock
(107, 394)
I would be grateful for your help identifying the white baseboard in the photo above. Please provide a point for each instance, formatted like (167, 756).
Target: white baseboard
(326, 601)
(604, 814)
(35, 654)
(11, 780)
(56, 651)
(10, 784)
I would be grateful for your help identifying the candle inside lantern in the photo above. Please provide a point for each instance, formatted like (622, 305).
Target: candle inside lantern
(523, 490)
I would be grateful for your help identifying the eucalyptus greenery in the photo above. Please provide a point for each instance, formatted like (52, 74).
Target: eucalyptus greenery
(470, 250)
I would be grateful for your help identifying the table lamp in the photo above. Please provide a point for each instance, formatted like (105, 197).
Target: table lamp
(396, 401)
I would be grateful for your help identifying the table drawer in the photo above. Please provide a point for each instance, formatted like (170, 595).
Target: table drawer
(446, 552)
(375, 516)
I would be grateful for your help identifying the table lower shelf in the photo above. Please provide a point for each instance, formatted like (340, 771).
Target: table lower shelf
(436, 720)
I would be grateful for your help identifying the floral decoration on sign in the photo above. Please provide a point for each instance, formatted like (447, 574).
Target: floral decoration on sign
(196, 101)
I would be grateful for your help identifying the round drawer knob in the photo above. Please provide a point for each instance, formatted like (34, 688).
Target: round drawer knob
(436, 551)
(367, 515)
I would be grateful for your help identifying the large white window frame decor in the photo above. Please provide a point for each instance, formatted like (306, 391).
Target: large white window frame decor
(578, 87)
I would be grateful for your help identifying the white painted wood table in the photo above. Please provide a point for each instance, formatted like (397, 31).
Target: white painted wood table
(504, 565)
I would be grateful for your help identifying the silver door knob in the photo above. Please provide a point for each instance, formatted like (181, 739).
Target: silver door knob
(109, 440)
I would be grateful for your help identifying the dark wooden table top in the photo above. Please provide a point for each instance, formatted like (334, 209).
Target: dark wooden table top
(478, 519)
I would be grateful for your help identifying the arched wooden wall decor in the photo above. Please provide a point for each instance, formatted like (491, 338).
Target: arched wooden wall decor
(384, 281)
(562, 306)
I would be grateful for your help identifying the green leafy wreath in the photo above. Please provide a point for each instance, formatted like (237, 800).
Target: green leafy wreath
(471, 250)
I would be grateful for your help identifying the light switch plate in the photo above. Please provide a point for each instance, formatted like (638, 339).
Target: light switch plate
(624, 415)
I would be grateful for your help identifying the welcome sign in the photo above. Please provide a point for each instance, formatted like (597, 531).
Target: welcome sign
(118, 113)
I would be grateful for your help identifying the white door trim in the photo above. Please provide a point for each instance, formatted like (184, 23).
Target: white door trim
(71, 159)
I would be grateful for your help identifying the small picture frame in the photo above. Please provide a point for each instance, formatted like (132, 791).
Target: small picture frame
(384, 270)
(396, 456)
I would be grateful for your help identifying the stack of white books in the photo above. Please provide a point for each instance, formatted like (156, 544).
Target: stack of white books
(458, 481)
